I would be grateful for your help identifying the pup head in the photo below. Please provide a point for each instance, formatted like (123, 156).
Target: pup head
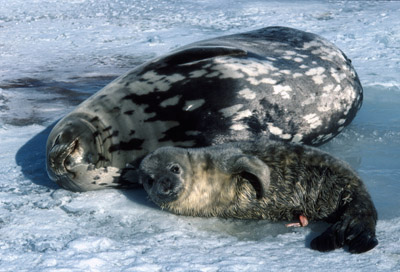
(163, 174)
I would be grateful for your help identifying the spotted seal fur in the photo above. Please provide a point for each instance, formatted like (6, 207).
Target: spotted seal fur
(265, 180)
(275, 82)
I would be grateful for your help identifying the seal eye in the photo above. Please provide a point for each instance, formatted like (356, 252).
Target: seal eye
(175, 169)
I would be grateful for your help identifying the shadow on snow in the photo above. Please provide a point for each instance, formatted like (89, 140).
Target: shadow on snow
(32, 159)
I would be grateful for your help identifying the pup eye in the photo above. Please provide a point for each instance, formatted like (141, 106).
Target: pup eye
(175, 169)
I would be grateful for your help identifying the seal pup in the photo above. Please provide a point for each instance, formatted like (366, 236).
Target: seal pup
(265, 180)
(275, 82)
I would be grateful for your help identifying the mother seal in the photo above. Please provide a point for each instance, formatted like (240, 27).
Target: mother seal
(275, 82)
(265, 180)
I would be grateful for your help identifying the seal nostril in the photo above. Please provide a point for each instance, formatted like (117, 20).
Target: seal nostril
(57, 141)
(75, 145)
(67, 162)
(150, 182)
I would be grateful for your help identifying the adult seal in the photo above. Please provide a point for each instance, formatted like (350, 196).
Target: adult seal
(265, 180)
(276, 82)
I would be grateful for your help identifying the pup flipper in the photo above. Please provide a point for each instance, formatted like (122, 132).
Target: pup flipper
(355, 228)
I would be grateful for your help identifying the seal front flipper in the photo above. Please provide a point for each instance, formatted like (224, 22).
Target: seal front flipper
(355, 228)
(129, 177)
(254, 170)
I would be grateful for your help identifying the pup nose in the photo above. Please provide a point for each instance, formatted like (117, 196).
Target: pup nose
(165, 186)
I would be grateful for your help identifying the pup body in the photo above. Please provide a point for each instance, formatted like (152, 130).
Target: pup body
(265, 180)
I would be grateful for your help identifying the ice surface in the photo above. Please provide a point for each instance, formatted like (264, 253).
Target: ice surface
(54, 54)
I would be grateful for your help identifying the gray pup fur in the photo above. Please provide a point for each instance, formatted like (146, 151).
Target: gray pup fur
(265, 180)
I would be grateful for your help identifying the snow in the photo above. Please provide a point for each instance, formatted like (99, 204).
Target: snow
(54, 54)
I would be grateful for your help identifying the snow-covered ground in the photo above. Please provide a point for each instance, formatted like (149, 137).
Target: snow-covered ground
(55, 53)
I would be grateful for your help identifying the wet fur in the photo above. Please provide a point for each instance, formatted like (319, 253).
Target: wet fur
(302, 181)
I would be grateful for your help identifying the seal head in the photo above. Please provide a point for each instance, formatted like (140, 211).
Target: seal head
(75, 147)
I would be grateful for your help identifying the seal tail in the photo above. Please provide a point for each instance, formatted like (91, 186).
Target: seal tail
(355, 227)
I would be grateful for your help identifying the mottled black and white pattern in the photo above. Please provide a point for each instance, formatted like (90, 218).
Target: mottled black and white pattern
(274, 82)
